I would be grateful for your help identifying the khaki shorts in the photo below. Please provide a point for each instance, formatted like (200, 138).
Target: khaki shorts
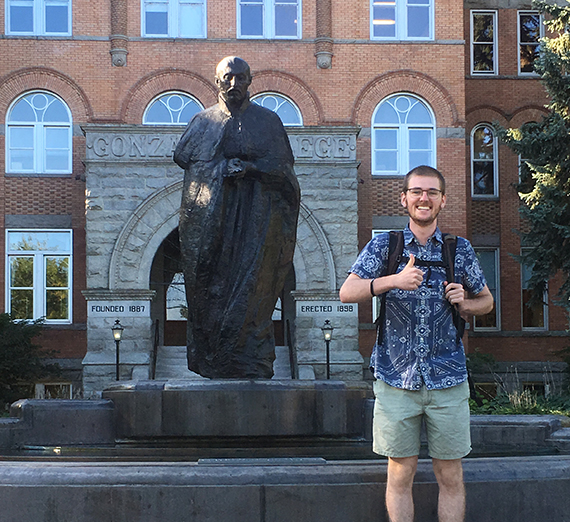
(398, 418)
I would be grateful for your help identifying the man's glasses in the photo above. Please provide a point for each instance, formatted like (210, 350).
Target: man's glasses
(431, 193)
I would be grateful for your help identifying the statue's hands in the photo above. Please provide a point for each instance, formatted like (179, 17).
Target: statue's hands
(236, 168)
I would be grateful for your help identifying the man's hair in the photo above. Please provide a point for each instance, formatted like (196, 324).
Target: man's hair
(424, 170)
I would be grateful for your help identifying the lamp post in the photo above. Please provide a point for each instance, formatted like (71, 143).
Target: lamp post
(117, 335)
(327, 330)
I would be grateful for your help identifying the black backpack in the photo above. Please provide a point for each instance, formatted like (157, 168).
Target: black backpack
(395, 251)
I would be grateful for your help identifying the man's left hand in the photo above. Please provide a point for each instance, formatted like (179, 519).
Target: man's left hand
(454, 293)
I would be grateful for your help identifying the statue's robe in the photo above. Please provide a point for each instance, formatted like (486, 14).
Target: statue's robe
(237, 237)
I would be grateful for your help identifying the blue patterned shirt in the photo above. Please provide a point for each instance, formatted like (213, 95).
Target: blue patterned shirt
(420, 344)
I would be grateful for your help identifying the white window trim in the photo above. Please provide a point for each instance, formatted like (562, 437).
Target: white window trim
(278, 94)
(495, 194)
(403, 142)
(39, 274)
(519, 43)
(401, 15)
(495, 70)
(544, 309)
(173, 19)
(268, 22)
(169, 93)
(497, 328)
(39, 146)
(38, 20)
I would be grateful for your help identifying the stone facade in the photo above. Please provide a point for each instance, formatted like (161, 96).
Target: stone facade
(124, 232)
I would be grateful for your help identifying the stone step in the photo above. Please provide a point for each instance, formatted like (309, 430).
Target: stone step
(171, 363)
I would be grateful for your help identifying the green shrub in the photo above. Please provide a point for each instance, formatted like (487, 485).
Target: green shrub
(21, 361)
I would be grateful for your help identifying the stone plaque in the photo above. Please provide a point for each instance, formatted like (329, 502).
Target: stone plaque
(118, 308)
(325, 308)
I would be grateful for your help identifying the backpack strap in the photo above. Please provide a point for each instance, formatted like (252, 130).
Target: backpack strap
(448, 257)
(395, 251)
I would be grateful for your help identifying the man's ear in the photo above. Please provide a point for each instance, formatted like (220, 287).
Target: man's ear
(403, 199)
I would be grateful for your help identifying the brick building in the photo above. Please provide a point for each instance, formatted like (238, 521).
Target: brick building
(93, 97)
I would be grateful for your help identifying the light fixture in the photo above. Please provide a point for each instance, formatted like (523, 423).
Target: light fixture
(117, 329)
(327, 330)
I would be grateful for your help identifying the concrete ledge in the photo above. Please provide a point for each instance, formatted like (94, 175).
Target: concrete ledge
(529, 489)
(237, 408)
(58, 423)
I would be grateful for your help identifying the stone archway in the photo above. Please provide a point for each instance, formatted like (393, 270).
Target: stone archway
(157, 217)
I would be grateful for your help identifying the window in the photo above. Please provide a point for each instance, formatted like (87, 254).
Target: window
(489, 260)
(534, 314)
(176, 304)
(39, 135)
(269, 18)
(39, 275)
(483, 42)
(174, 18)
(38, 17)
(288, 112)
(530, 30)
(484, 182)
(403, 135)
(172, 108)
(401, 19)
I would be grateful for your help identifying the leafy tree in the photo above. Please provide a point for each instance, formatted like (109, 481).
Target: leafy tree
(544, 148)
(21, 361)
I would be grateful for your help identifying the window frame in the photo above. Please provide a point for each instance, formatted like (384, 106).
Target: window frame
(39, 147)
(520, 44)
(173, 18)
(402, 145)
(268, 19)
(38, 19)
(39, 286)
(285, 98)
(545, 297)
(495, 46)
(495, 160)
(497, 285)
(400, 22)
(163, 95)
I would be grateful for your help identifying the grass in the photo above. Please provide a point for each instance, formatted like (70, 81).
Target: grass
(523, 403)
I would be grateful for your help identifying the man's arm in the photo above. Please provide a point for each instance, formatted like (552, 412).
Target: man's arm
(469, 304)
(357, 290)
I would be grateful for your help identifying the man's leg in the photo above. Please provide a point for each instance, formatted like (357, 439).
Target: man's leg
(399, 501)
(449, 474)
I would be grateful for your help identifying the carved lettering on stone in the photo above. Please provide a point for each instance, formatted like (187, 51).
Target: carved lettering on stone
(131, 146)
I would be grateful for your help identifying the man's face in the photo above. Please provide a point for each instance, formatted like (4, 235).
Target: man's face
(423, 209)
(233, 80)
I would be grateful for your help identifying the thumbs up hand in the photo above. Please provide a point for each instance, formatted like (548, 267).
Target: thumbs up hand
(411, 277)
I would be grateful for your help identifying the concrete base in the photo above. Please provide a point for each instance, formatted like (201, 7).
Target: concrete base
(238, 408)
(529, 489)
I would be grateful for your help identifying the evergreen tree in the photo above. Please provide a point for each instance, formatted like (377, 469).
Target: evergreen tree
(544, 149)
(21, 361)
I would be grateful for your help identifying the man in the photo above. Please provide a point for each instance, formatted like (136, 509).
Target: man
(238, 225)
(419, 362)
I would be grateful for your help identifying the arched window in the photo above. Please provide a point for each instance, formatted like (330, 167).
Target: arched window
(171, 108)
(484, 181)
(403, 135)
(288, 112)
(39, 135)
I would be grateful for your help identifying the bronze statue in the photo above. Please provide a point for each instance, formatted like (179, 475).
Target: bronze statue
(238, 225)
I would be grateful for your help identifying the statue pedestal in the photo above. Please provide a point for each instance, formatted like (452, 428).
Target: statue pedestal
(237, 408)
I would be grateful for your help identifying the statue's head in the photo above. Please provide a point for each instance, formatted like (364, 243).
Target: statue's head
(233, 77)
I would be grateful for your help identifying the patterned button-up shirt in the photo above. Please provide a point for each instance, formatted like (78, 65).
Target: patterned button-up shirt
(420, 344)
